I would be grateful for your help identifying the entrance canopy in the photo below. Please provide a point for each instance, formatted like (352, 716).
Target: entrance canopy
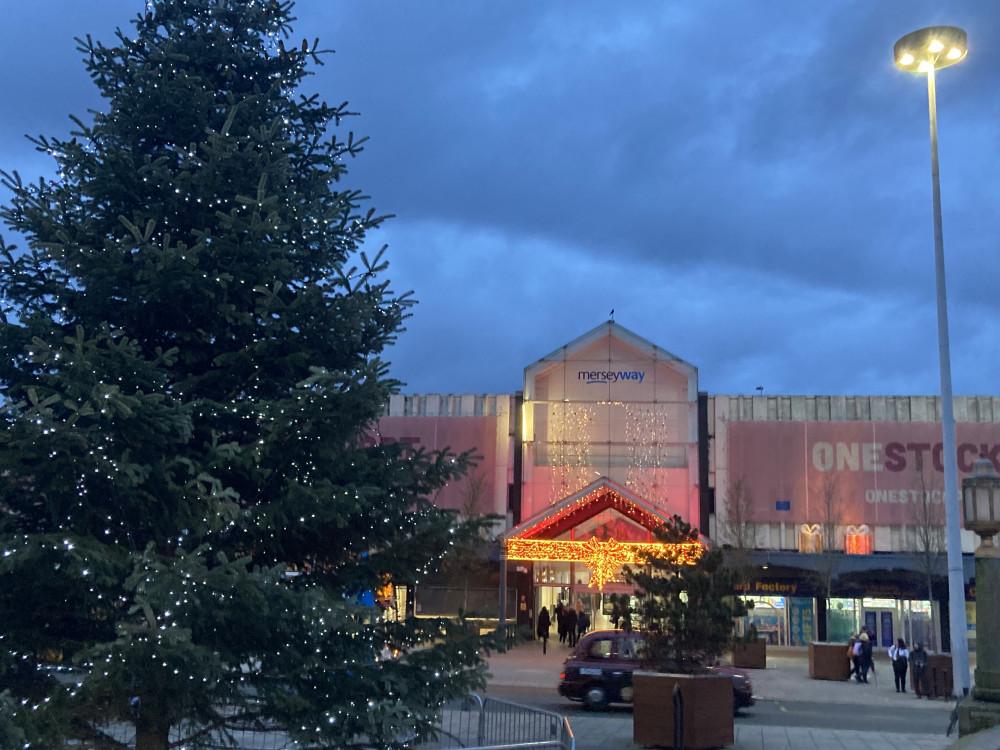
(603, 526)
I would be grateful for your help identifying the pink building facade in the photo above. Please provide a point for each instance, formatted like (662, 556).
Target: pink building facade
(853, 482)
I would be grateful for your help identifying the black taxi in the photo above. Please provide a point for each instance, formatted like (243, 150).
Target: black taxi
(599, 671)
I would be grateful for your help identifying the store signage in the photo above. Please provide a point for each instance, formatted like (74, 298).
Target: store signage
(767, 587)
(902, 497)
(878, 473)
(610, 376)
(873, 457)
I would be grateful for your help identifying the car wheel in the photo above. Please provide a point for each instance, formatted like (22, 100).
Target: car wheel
(595, 698)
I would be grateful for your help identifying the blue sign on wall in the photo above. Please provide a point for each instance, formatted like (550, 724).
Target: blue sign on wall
(782, 504)
(801, 621)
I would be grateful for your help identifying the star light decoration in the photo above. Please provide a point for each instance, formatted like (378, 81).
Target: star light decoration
(602, 558)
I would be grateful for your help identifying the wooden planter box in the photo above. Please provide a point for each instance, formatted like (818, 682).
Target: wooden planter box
(751, 655)
(828, 661)
(708, 710)
(940, 680)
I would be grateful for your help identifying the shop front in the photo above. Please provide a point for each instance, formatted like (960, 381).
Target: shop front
(799, 598)
(792, 620)
(577, 549)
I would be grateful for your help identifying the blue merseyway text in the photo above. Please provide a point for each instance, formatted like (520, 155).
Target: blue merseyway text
(610, 376)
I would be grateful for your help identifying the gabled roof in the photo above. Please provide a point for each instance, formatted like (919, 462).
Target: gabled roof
(610, 328)
(585, 504)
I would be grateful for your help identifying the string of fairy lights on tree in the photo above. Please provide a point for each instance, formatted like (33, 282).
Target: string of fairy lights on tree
(206, 337)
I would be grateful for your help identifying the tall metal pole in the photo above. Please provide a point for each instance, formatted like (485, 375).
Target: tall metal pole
(949, 457)
(503, 589)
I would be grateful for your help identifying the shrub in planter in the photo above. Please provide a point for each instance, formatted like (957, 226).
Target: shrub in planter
(687, 611)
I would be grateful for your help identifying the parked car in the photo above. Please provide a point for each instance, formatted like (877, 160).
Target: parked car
(599, 671)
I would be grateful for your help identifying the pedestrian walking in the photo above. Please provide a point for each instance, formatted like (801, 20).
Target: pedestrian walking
(865, 656)
(571, 625)
(543, 627)
(582, 623)
(854, 651)
(899, 655)
(561, 621)
(918, 659)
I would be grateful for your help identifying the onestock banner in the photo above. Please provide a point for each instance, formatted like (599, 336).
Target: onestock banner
(853, 472)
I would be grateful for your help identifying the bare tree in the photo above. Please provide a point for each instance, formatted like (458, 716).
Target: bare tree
(468, 560)
(830, 516)
(738, 526)
(925, 534)
(830, 513)
(475, 491)
(737, 530)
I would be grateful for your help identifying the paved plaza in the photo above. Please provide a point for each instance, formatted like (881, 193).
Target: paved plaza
(785, 679)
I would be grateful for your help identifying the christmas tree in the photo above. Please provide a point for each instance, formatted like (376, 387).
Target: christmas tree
(193, 514)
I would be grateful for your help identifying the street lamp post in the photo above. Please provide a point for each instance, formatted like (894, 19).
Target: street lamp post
(926, 51)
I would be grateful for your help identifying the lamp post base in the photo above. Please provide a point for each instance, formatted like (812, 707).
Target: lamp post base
(982, 710)
(976, 716)
(986, 694)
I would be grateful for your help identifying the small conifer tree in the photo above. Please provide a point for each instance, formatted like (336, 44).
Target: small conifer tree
(686, 610)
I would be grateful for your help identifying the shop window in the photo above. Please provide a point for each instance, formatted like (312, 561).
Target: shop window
(552, 573)
(841, 619)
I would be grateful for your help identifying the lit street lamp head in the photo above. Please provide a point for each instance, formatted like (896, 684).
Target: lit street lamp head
(930, 49)
(981, 504)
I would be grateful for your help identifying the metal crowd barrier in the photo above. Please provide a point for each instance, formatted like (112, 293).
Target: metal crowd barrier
(491, 724)
(473, 723)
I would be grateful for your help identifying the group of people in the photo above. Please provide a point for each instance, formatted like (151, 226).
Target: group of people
(859, 649)
(570, 624)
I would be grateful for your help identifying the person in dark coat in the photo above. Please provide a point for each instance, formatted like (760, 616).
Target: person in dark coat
(543, 627)
(866, 656)
(918, 659)
(569, 615)
(854, 653)
(561, 622)
(582, 623)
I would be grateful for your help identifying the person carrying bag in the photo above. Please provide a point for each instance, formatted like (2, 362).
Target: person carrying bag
(899, 655)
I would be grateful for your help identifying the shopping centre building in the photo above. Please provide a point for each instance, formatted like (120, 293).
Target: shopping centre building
(834, 502)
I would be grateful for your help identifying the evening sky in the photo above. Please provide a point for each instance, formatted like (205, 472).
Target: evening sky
(746, 184)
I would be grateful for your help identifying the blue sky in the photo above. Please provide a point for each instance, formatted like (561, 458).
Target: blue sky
(747, 184)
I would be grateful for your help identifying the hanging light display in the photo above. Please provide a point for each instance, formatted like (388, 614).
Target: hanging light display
(603, 558)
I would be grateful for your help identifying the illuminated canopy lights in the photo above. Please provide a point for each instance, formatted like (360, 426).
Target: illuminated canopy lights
(602, 558)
